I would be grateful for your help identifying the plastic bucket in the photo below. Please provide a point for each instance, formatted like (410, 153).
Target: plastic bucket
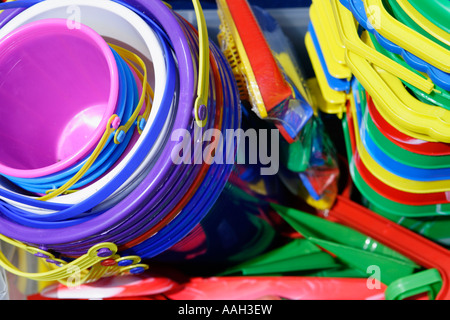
(129, 89)
(119, 25)
(71, 76)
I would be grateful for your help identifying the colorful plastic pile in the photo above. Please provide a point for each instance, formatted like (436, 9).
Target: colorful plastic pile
(117, 176)
(384, 67)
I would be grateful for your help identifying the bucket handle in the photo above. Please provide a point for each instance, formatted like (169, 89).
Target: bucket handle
(101, 260)
(130, 57)
(113, 124)
(200, 109)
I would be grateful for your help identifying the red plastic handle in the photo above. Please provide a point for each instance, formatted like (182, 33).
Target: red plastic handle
(291, 288)
(419, 249)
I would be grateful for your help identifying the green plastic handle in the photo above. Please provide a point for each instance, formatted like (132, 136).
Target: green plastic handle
(427, 281)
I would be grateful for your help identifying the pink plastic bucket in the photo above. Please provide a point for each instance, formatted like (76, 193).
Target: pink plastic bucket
(58, 88)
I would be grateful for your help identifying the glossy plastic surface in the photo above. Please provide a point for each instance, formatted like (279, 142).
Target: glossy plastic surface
(419, 249)
(40, 137)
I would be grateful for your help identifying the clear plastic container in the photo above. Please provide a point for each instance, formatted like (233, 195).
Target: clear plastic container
(4, 294)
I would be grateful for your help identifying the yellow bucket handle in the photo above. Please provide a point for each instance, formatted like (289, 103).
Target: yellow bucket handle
(87, 268)
(113, 123)
(201, 101)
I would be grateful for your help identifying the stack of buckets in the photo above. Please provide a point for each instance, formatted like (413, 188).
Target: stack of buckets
(383, 66)
(92, 92)
(91, 172)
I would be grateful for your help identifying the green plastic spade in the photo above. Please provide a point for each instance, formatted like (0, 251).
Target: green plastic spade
(385, 269)
(312, 226)
(297, 255)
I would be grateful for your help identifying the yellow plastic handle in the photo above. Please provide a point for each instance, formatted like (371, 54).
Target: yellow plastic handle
(397, 105)
(110, 127)
(418, 116)
(148, 94)
(60, 272)
(409, 39)
(130, 57)
(353, 43)
(325, 12)
(200, 105)
(424, 23)
(330, 49)
(87, 268)
(113, 123)
(391, 179)
(335, 99)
